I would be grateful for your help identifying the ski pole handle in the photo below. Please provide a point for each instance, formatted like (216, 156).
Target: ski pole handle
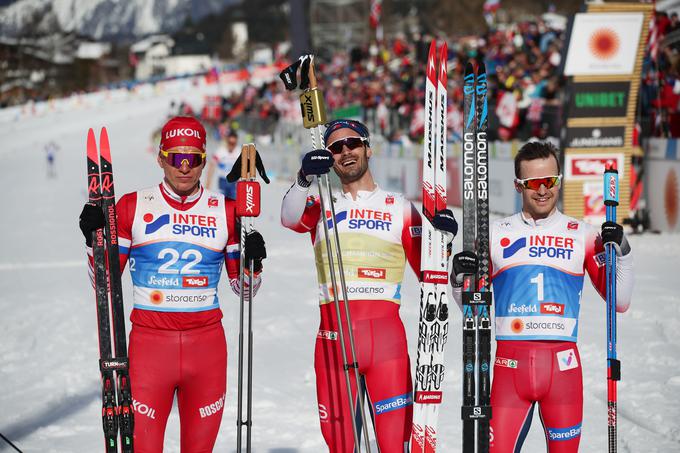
(311, 102)
(248, 189)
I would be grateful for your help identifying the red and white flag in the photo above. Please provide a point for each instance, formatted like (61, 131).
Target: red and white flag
(376, 12)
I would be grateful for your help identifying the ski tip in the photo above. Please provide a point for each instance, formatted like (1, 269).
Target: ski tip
(469, 69)
(443, 63)
(91, 145)
(610, 166)
(432, 62)
(104, 144)
(481, 67)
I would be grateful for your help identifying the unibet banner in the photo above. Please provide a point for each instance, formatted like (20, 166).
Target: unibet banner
(599, 99)
(603, 44)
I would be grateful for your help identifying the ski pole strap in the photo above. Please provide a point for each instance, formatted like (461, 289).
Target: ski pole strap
(477, 298)
(475, 413)
(614, 367)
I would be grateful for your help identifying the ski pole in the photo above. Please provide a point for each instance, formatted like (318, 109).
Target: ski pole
(248, 206)
(313, 116)
(10, 443)
(611, 201)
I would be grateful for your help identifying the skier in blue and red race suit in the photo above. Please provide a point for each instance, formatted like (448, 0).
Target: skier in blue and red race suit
(176, 236)
(379, 232)
(539, 260)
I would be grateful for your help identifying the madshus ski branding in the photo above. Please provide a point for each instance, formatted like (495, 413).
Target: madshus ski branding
(433, 324)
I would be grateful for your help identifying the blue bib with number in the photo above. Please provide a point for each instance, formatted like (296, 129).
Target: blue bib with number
(176, 256)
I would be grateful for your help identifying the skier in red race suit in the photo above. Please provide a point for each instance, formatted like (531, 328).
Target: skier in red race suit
(176, 237)
(539, 261)
(379, 231)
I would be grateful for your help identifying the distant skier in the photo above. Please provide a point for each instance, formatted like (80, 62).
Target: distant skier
(223, 159)
(379, 232)
(51, 149)
(176, 237)
(539, 258)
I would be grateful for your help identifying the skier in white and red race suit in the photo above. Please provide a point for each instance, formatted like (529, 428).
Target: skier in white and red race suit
(539, 260)
(379, 232)
(176, 236)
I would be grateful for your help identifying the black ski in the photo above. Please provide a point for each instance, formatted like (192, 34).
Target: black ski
(483, 284)
(476, 408)
(117, 409)
(109, 417)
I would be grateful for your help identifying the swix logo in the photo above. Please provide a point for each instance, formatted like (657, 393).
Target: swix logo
(440, 277)
(307, 106)
(371, 272)
(425, 397)
(250, 199)
(510, 249)
(552, 309)
(194, 282)
(612, 188)
(155, 225)
(186, 132)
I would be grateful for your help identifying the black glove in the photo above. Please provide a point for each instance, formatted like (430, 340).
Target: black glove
(464, 263)
(612, 233)
(91, 219)
(255, 250)
(445, 221)
(235, 172)
(317, 162)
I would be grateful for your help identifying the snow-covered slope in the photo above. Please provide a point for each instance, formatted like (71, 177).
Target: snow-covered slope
(49, 378)
(103, 19)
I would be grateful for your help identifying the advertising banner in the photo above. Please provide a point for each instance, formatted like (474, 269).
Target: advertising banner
(596, 137)
(593, 203)
(590, 166)
(599, 99)
(603, 44)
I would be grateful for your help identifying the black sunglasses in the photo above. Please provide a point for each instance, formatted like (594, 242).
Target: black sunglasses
(350, 142)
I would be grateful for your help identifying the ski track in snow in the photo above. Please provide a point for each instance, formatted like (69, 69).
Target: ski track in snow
(49, 392)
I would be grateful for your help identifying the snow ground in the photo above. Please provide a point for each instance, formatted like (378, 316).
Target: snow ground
(49, 381)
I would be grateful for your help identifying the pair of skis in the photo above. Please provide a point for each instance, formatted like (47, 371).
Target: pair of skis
(476, 409)
(434, 311)
(117, 407)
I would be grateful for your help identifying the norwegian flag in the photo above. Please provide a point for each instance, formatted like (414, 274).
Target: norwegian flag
(654, 38)
(376, 12)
